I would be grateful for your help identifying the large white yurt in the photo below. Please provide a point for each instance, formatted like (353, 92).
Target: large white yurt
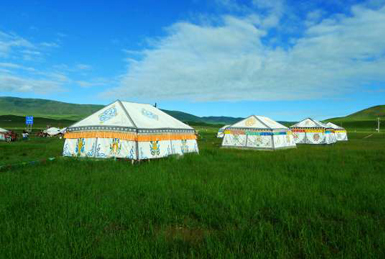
(311, 131)
(129, 130)
(2, 134)
(221, 131)
(258, 132)
(341, 133)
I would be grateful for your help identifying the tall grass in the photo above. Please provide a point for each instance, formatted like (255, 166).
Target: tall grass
(313, 201)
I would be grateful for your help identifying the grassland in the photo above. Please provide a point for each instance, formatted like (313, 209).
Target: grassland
(313, 201)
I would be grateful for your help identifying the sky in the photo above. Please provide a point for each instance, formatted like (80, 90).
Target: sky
(285, 59)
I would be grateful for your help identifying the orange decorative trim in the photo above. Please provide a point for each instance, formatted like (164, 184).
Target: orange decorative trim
(128, 136)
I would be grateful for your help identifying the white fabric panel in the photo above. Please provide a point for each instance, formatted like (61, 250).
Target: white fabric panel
(315, 138)
(341, 136)
(2, 136)
(299, 137)
(234, 140)
(280, 141)
(181, 147)
(113, 147)
(69, 147)
(155, 149)
(111, 115)
(148, 117)
(255, 141)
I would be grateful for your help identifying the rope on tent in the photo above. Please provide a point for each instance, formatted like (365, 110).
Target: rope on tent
(368, 136)
(10, 166)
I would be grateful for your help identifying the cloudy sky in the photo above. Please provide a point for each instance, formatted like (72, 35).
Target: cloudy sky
(283, 59)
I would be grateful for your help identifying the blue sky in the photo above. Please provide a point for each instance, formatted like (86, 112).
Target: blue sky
(283, 59)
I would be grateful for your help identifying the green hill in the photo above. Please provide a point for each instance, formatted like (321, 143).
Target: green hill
(73, 112)
(364, 119)
(369, 113)
(45, 108)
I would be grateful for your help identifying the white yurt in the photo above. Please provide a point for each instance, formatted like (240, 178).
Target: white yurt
(258, 132)
(311, 131)
(52, 131)
(221, 131)
(2, 134)
(340, 133)
(129, 130)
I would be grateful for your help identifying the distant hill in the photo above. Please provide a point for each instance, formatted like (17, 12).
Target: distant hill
(369, 113)
(73, 112)
(364, 119)
(45, 108)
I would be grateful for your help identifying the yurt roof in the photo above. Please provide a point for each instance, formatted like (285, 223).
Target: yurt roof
(131, 115)
(258, 122)
(334, 126)
(309, 123)
(3, 130)
(224, 127)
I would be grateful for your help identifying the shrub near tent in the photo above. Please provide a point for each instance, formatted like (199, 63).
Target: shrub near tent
(258, 132)
(341, 133)
(311, 131)
(129, 130)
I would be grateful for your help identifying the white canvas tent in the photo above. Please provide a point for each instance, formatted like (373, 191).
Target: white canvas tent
(341, 133)
(52, 131)
(2, 134)
(258, 132)
(309, 131)
(221, 131)
(129, 130)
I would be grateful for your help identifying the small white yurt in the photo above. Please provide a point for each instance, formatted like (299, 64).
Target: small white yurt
(311, 131)
(129, 130)
(221, 131)
(258, 132)
(52, 131)
(340, 133)
(2, 134)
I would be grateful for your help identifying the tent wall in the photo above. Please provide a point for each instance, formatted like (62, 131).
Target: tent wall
(2, 137)
(114, 147)
(258, 140)
(341, 135)
(314, 136)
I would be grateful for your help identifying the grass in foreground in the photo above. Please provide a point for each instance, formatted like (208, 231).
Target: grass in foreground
(314, 201)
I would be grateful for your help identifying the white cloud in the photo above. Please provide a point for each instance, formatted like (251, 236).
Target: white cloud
(11, 83)
(9, 42)
(230, 61)
(49, 44)
(83, 67)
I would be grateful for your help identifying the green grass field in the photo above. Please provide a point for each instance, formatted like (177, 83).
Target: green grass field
(309, 202)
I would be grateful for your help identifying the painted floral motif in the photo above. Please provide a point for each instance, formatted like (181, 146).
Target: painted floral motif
(131, 155)
(80, 145)
(91, 152)
(115, 146)
(316, 137)
(155, 148)
(288, 140)
(250, 121)
(108, 114)
(98, 153)
(149, 114)
(184, 146)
